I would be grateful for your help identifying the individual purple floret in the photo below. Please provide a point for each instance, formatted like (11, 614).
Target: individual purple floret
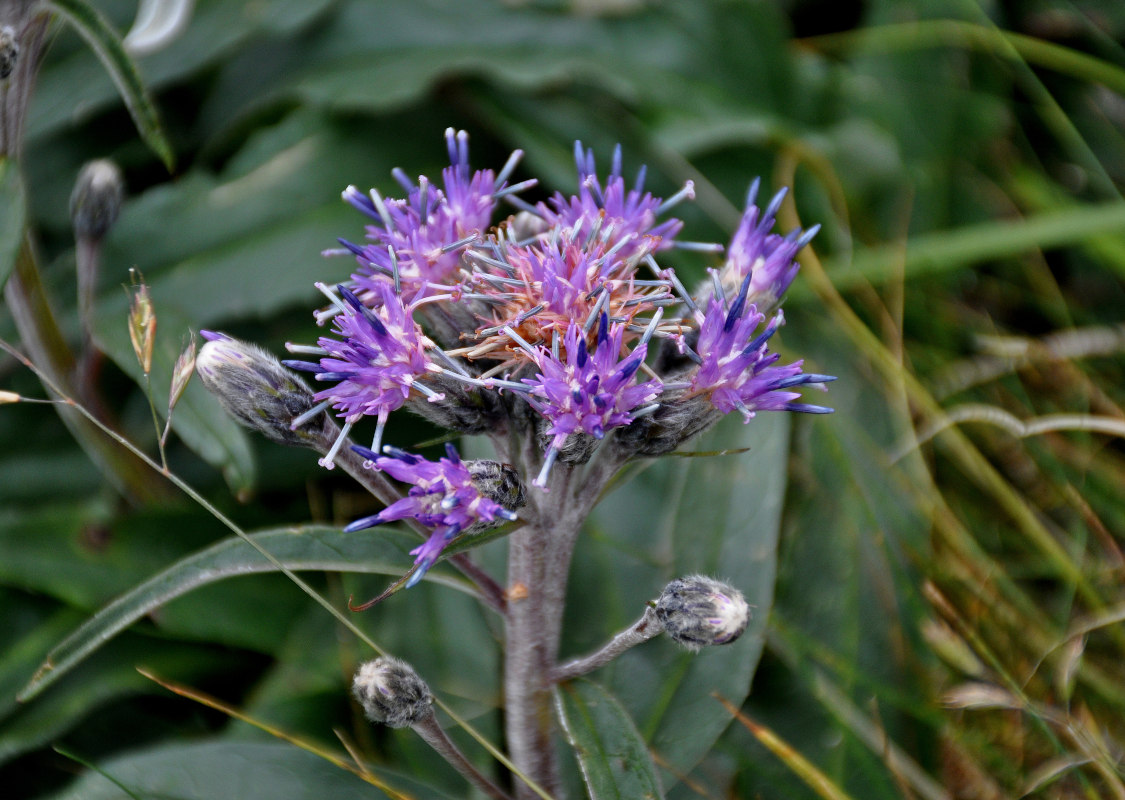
(443, 497)
(737, 371)
(589, 393)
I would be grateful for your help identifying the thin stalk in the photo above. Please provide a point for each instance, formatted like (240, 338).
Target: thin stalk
(640, 631)
(156, 422)
(433, 735)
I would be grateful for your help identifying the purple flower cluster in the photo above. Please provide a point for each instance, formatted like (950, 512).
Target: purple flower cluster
(549, 318)
(737, 370)
(442, 496)
(416, 241)
(588, 393)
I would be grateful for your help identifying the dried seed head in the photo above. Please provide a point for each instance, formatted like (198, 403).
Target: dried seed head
(142, 325)
(698, 611)
(181, 374)
(96, 199)
(391, 692)
(259, 392)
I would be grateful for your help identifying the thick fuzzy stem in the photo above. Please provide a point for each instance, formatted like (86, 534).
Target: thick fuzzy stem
(538, 563)
(532, 649)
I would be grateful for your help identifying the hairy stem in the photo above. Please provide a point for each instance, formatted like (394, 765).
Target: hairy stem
(433, 735)
(640, 631)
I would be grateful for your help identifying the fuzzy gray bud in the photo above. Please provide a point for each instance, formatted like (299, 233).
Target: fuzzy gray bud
(675, 421)
(498, 482)
(698, 611)
(9, 50)
(463, 409)
(255, 389)
(391, 692)
(96, 199)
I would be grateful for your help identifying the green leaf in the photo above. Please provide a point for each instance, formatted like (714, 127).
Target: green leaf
(108, 46)
(109, 675)
(299, 548)
(13, 211)
(718, 516)
(208, 770)
(614, 759)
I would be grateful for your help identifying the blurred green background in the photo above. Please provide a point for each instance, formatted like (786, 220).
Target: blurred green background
(946, 621)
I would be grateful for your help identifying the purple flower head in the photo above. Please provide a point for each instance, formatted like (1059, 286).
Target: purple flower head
(614, 212)
(737, 369)
(443, 496)
(418, 241)
(764, 256)
(586, 392)
(543, 287)
(375, 362)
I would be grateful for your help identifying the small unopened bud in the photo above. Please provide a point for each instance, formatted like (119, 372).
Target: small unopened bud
(142, 326)
(9, 50)
(698, 611)
(500, 483)
(8, 397)
(96, 199)
(258, 391)
(391, 692)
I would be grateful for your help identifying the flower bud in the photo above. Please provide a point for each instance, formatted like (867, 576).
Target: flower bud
(463, 409)
(673, 423)
(255, 389)
(698, 611)
(391, 692)
(500, 483)
(96, 199)
(9, 50)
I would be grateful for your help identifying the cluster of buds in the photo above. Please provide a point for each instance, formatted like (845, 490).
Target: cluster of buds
(557, 324)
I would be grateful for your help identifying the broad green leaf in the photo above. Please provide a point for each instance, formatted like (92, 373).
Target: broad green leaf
(71, 89)
(31, 628)
(299, 548)
(107, 44)
(718, 516)
(615, 762)
(209, 770)
(848, 591)
(109, 675)
(12, 216)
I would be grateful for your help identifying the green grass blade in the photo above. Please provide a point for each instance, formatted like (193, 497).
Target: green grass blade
(108, 46)
(941, 252)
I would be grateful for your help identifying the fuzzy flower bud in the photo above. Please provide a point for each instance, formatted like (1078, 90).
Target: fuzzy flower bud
(391, 692)
(698, 611)
(255, 389)
(96, 199)
(9, 50)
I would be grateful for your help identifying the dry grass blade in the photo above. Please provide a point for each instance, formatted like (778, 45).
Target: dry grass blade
(804, 769)
(310, 747)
